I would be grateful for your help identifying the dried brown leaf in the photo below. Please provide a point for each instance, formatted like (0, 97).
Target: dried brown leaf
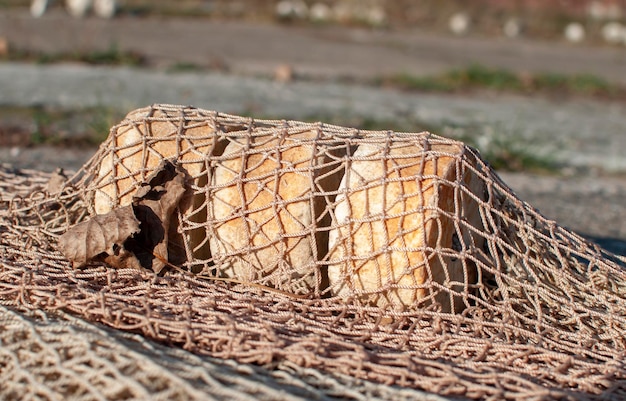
(100, 236)
(154, 206)
(131, 236)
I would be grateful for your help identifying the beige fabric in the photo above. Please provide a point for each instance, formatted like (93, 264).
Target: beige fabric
(543, 318)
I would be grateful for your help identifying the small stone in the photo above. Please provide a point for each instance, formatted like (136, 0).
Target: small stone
(613, 32)
(459, 23)
(4, 46)
(283, 73)
(38, 8)
(320, 12)
(512, 28)
(376, 16)
(287, 9)
(283, 9)
(78, 8)
(574, 32)
(105, 8)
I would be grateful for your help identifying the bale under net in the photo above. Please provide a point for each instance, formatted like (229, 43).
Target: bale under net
(400, 259)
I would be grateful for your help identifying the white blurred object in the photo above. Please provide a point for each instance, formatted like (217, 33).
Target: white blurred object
(512, 28)
(283, 9)
(301, 10)
(574, 32)
(595, 10)
(105, 8)
(459, 23)
(603, 10)
(320, 12)
(613, 32)
(292, 9)
(376, 16)
(77, 8)
(38, 8)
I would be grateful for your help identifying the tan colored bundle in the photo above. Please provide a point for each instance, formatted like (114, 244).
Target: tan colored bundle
(261, 208)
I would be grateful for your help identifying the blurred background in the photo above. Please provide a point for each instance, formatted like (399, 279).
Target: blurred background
(538, 86)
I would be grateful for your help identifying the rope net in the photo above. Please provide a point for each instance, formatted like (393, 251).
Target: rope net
(396, 258)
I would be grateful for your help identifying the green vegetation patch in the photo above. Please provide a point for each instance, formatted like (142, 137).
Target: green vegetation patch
(32, 126)
(515, 153)
(111, 56)
(477, 77)
(185, 67)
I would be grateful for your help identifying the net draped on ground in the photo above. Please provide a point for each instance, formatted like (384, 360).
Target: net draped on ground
(503, 305)
(64, 357)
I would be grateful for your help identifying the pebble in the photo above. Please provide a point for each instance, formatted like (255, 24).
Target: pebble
(574, 32)
(320, 12)
(614, 32)
(4, 46)
(283, 73)
(459, 23)
(512, 28)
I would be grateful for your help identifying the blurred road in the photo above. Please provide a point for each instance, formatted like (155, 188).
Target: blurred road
(242, 47)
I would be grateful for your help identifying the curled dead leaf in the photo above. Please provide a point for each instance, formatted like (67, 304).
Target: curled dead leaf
(154, 204)
(131, 236)
(100, 236)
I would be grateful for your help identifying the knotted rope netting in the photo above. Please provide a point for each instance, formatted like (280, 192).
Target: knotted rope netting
(397, 258)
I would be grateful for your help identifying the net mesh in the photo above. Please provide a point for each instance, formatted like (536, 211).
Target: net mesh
(396, 258)
(56, 356)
